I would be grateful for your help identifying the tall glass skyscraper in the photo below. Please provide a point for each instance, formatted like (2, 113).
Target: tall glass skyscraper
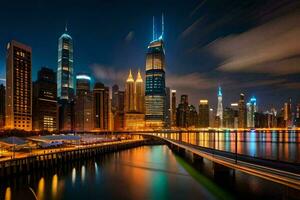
(220, 107)
(155, 92)
(65, 82)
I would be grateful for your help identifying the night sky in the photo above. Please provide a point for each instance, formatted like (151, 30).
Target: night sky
(245, 46)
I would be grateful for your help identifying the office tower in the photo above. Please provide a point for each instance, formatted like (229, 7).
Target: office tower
(297, 115)
(192, 117)
(66, 115)
(155, 93)
(117, 107)
(139, 94)
(83, 103)
(203, 114)
(220, 108)
(65, 84)
(251, 110)
(129, 93)
(167, 109)
(235, 108)
(182, 112)
(18, 87)
(44, 100)
(228, 118)
(211, 117)
(2, 106)
(173, 110)
(242, 111)
(288, 113)
(100, 106)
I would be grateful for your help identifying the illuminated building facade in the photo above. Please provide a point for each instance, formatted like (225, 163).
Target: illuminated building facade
(155, 92)
(203, 117)
(2, 106)
(65, 82)
(18, 87)
(192, 117)
(251, 110)
(134, 120)
(288, 113)
(101, 106)
(297, 115)
(182, 112)
(139, 94)
(167, 108)
(129, 93)
(173, 110)
(117, 107)
(235, 108)
(83, 103)
(242, 111)
(220, 108)
(45, 110)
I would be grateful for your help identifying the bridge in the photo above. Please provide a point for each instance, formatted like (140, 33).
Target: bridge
(285, 173)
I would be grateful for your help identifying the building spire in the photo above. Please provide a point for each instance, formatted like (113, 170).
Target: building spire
(219, 91)
(130, 77)
(66, 27)
(153, 29)
(139, 77)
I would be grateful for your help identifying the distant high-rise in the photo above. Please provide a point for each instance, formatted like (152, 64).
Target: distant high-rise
(83, 103)
(18, 87)
(2, 106)
(182, 112)
(288, 113)
(297, 115)
(155, 92)
(45, 110)
(173, 110)
(139, 94)
(101, 106)
(167, 108)
(65, 84)
(251, 110)
(203, 116)
(220, 107)
(118, 98)
(129, 93)
(242, 112)
(235, 108)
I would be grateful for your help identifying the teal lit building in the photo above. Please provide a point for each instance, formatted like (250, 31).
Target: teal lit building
(65, 82)
(155, 92)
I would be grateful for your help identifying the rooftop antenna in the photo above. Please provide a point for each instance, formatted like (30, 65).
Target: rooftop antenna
(153, 31)
(162, 25)
(66, 27)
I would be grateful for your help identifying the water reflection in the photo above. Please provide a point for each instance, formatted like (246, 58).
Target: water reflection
(276, 145)
(54, 186)
(82, 173)
(73, 175)
(8, 193)
(41, 189)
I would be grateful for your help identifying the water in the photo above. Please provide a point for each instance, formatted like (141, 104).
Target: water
(149, 172)
(275, 145)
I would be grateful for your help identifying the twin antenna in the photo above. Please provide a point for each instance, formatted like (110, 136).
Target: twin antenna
(154, 36)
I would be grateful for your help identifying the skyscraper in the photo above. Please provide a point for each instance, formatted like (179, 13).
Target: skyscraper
(18, 86)
(203, 117)
(173, 111)
(129, 93)
(83, 103)
(298, 115)
(45, 110)
(139, 94)
(182, 112)
(251, 110)
(118, 98)
(220, 107)
(65, 84)
(101, 106)
(242, 112)
(288, 113)
(155, 93)
(2, 106)
(167, 109)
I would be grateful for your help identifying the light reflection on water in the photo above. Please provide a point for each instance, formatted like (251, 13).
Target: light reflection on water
(276, 145)
(149, 172)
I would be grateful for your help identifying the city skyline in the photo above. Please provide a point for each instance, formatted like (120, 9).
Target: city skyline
(137, 33)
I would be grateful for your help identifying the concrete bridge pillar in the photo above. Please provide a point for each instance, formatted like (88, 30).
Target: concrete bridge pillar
(220, 170)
